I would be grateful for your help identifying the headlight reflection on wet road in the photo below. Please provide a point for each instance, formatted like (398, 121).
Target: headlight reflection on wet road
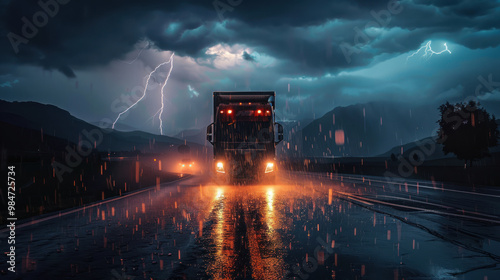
(314, 227)
(244, 234)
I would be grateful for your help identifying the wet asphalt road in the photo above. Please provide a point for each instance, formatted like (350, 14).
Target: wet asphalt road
(307, 226)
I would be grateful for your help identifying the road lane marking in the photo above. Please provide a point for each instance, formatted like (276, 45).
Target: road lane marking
(439, 205)
(85, 207)
(436, 234)
(415, 185)
(375, 201)
(349, 196)
(496, 221)
(336, 178)
(417, 201)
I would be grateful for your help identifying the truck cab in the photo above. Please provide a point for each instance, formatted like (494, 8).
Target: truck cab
(244, 136)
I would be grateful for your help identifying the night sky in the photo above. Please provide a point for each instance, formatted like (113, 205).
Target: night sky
(87, 57)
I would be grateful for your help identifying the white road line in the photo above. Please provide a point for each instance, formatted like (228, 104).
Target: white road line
(439, 205)
(85, 207)
(349, 196)
(354, 197)
(336, 177)
(496, 221)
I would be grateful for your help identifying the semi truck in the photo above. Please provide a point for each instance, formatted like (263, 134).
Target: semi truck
(244, 136)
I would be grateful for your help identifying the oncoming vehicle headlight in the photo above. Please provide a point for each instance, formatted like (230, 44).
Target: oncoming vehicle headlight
(219, 167)
(269, 167)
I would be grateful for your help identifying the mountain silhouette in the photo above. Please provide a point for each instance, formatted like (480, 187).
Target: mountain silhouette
(52, 121)
(368, 129)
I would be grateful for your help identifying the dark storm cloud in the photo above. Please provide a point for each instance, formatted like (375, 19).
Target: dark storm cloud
(305, 36)
(301, 13)
(91, 33)
(464, 7)
(248, 57)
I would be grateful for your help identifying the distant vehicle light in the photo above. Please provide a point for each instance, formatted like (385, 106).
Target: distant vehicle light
(267, 111)
(229, 111)
(220, 167)
(269, 167)
(222, 112)
(259, 111)
(186, 163)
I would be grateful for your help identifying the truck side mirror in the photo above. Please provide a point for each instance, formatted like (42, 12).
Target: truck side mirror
(280, 133)
(210, 133)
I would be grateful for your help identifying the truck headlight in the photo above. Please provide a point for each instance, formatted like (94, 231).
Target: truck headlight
(269, 167)
(219, 167)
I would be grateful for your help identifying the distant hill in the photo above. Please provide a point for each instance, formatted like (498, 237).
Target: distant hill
(119, 126)
(193, 135)
(58, 123)
(427, 145)
(368, 129)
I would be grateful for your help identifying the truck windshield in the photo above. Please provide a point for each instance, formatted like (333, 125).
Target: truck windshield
(244, 123)
(246, 131)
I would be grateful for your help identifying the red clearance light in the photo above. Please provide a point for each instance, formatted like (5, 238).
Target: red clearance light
(222, 112)
(229, 111)
(267, 111)
(259, 111)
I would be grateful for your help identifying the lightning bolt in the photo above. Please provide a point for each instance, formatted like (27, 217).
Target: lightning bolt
(162, 95)
(139, 54)
(171, 61)
(153, 116)
(428, 51)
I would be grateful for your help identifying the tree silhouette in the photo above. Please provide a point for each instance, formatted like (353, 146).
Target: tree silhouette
(467, 130)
